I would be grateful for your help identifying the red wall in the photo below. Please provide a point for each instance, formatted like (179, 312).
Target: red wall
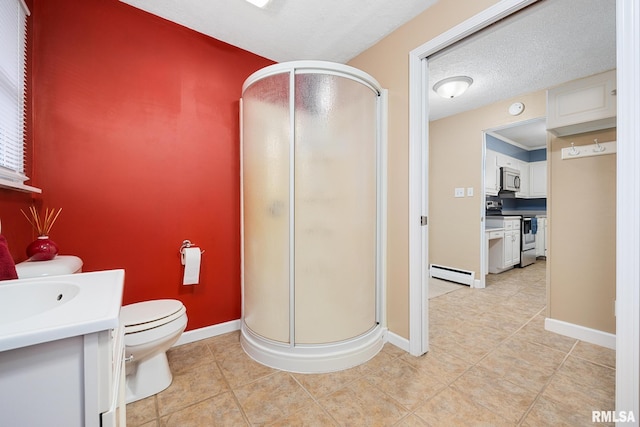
(136, 136)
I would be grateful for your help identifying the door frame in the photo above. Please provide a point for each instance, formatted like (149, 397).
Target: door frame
(419, 163)
(628, 188)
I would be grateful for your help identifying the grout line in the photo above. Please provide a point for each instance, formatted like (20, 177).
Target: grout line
(546, 384)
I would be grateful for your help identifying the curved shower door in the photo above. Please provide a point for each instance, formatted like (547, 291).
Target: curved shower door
(335, 208)
(311, 216)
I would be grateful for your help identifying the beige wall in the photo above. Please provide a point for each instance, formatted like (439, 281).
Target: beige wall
(455, 148)
(388, 62)
(582, 226)
(455, 160)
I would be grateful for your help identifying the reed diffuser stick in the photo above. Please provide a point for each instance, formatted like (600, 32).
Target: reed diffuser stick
(43, 225)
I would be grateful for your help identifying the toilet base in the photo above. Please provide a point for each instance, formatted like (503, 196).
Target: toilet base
(148, 377)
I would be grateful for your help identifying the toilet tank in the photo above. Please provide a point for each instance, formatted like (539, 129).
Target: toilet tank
(61, 264)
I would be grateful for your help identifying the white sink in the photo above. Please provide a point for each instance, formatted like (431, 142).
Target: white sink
(43, 309)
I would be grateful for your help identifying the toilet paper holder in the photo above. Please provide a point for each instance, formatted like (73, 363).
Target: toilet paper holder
(187, 244)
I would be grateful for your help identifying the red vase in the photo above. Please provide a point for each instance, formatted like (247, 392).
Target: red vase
(42, 249)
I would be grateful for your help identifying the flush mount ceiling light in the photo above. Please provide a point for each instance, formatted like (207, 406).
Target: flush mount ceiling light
(259, 3)
(452, 86)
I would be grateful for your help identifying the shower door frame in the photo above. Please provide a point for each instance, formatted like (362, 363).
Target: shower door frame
(323, 357)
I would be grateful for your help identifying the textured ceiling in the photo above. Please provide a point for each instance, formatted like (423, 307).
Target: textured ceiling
(288, 30)
(547, 44)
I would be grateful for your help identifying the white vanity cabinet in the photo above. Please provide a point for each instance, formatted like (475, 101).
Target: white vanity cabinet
(76, 381)
(582, 105)
(504, 253)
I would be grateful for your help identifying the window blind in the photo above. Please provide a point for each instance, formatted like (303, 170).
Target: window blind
(13, 29)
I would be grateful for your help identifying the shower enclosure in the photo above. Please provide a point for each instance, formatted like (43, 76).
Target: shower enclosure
(312, 216)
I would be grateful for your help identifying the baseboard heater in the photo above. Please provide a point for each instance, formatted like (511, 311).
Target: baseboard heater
(464, 277)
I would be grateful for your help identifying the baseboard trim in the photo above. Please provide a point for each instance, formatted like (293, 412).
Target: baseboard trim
(593, 336)
(208, 332)
(397, 340)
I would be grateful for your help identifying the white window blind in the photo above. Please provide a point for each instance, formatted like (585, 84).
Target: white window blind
(13, 39)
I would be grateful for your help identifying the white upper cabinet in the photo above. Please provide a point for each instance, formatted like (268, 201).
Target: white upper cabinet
(582, 105)
(491, 174)
(523, 167)
(538, 179)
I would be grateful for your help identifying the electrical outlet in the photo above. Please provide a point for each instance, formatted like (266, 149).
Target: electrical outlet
(459, 192)
(469, 191)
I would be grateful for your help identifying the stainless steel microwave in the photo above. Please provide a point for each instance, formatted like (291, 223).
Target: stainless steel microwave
(509, 179)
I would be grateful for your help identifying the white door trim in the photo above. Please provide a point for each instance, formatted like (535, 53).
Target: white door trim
(419, 163)
(628, 208)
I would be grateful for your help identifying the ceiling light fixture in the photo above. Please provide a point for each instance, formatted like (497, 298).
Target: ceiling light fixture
(452, 86)
(259, 3)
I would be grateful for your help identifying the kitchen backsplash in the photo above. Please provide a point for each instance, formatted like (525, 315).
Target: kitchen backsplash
(528, 206)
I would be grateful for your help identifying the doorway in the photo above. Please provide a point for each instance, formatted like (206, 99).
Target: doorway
(628, 31)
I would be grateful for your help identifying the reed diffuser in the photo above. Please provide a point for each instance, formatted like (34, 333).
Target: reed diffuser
(43, 248)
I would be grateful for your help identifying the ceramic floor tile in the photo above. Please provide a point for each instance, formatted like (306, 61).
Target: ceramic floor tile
(188, 356)
(595, 353)
(224, 345)
(311, 416)
(192, 386)
(546, 412)
(489, 345)
(451, 408)
(404, 383)
(320, 385)
(439, 364)
(524, 363)
(502, 397)
(141, 411)
(534, 331)
(583, 386)
(362, 404)
(410, 420)
(272, 398)
(240, 369)
(221, 410)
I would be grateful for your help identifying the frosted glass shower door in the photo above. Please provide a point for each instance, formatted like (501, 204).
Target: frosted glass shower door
(266, 207)
(335, 208)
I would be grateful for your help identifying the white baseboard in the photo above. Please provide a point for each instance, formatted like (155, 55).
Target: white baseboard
(593, 336)
(397, 340)
(208, 332)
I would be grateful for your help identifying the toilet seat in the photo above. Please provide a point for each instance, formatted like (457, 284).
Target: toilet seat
(147, 315)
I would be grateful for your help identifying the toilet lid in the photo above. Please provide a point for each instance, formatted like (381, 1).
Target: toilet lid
(142, 313)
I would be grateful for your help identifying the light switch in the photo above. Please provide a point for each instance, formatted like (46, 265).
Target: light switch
(459, 192)
(469, 191)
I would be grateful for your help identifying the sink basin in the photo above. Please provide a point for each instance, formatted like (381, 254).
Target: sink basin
(22, 300)
(43, 309)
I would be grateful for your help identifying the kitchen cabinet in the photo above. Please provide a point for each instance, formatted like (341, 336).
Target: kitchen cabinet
(504, 253)
(541, 237)
(538, 179)
(491, 174)
(523, 167)
(582, 105)
(506, 161)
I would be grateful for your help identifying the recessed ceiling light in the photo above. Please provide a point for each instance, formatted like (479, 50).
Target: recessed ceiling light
(259, 3)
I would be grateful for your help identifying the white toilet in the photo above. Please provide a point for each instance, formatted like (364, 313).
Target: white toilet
(150, 328)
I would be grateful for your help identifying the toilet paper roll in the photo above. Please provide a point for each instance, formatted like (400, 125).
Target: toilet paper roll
(191, 261)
